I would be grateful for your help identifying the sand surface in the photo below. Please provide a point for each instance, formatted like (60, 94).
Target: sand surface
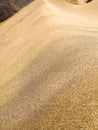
(49, 67)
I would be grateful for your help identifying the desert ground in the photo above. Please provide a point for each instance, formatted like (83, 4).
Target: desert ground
(49, 67)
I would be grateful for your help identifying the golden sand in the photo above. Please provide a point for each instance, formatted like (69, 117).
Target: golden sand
(49, 67)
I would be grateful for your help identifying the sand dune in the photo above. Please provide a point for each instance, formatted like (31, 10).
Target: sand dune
(49, 67)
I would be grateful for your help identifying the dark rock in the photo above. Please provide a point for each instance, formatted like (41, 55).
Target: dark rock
(10, 7)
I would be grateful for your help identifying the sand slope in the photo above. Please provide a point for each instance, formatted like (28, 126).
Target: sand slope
(49, 67)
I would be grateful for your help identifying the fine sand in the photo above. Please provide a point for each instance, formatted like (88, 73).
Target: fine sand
(49, 67)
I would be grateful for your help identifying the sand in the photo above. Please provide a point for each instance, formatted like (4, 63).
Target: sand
(49, 67)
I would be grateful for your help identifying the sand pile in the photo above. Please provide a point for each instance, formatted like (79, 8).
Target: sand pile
(49, 67)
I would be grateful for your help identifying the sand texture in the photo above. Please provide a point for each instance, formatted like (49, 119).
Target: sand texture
(49, 67)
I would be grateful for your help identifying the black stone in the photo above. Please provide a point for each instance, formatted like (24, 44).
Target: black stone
(10, 7)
